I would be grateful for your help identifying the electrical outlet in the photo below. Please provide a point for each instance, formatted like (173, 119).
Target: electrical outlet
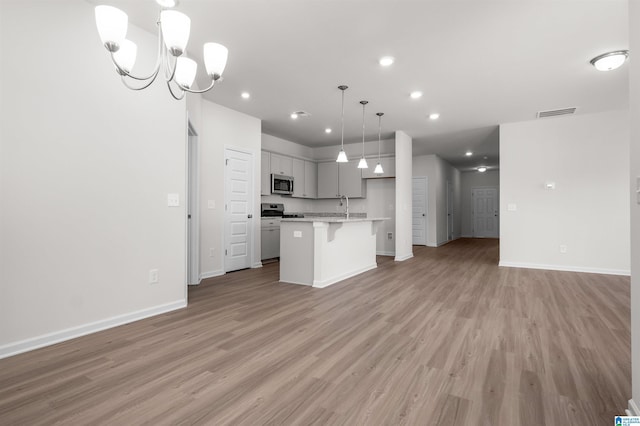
(389, 235)
(211, 252)
(153, 276)
(297, 234)
(563, 248)
(173, 200)
(211, 204)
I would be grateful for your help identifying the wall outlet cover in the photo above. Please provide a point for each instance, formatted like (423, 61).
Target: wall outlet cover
(173, 200)
(297, 234)
(512, 207)
(211, 204)
(153, 276)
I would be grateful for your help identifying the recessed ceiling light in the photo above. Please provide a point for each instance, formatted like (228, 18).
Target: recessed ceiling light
(167, 3)
(416, 95)
(482, 169)
(245, 95)
(468, 153)
(294, 115)
(385, 61)
(434, 116)
(327, 130)
(610, 61)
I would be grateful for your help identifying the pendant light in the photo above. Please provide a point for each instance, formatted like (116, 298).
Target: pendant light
(342, 156)
(378, 170)
(363, 161)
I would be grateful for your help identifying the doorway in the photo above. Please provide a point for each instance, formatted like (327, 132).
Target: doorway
(485, 212)
(193, 219)
(238, 215)
(419, 228)
(449, 211)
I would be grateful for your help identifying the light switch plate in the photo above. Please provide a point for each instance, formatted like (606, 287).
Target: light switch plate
(297, 234)
(512, 207)
(211, 204)
(173, 200)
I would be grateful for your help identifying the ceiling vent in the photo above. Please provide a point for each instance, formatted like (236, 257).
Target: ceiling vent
(556, 112)
(302, 114)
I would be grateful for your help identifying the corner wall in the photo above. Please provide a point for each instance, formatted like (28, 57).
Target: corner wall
(85, 170)
(404, 202)
(587, 157)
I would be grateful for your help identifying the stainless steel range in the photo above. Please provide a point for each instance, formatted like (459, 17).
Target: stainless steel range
(270, 228)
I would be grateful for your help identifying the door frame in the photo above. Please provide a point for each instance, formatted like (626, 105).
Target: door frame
(449, 189)
(252, 207)
(426, 207)
(473, 210)
(192, 204)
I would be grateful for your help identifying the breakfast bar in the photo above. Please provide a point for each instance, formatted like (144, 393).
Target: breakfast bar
(320, 251)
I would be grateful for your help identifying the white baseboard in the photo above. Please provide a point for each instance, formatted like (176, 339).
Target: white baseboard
(257, 265)
(466, 236)
(385, 253)
(403, 258)
(26, 345)
(211, 274)
(337, 278)
(567, 268)
(633, 409)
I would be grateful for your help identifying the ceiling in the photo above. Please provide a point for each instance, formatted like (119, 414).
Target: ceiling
(479, 63)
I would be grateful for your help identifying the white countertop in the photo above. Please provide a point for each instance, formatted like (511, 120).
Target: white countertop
(333, 219)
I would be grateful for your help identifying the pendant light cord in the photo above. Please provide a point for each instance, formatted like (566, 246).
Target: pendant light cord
(363, 106)
(379, 127)
(342, 121)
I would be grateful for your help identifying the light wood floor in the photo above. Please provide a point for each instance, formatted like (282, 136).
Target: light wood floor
(445, 338)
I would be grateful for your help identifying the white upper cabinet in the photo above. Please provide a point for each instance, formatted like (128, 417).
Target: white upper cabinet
(388, 166)
(265, 174)
(281, 165)
(305, 179)
(335, 179)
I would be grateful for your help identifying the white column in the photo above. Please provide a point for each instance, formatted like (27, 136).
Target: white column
(404, 174)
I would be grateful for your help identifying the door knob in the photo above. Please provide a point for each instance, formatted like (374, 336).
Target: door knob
(249, 216)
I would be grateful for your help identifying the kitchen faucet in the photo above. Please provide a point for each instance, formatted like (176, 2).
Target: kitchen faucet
(347, 209)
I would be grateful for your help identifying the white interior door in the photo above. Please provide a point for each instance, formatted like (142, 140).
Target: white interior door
(485, 212)
(193, 237)
(419, 213)
(238, 209)
(449, 211)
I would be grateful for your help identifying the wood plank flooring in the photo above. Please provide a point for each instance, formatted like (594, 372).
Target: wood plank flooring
(445, 338)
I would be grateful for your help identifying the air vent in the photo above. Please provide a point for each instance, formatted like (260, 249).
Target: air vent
(556, 112)
(302, 114)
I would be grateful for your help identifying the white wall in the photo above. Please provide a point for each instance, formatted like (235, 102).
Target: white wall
(224, 127)
(274, 144)
(634, 76)
(587, 156)
(404, 202)
(469, 181)
(438, 172)
(85, 170)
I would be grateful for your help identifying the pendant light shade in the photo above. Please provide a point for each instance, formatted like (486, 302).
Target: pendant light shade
(378, 170)
(125, 57)
(186, 71)
(215, 59)
(362, 164)
(175, 30)
(112, 26)
(342, 156)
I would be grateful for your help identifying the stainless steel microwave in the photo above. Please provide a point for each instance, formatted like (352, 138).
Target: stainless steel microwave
(281, 184)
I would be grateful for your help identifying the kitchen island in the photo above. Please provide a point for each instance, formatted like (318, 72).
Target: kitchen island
(320, 251)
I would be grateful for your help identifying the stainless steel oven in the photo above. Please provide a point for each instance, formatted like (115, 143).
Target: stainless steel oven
(281, 184)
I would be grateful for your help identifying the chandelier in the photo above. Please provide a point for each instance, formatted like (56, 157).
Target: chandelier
(173, 35)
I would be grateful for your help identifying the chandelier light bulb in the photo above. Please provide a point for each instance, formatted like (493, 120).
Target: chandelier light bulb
(125, 57)
(175, 30)
(112, 26)
(186, 71)
(215, 59)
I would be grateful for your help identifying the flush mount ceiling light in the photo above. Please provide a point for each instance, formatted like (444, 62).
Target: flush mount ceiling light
(173, 35)
(378, 170)
(327, 130)
(294, 115)
(468, 153)
(416, 95)
(610, 61)
(342, 156)
(385, 61)
(434, 116)
(362, 164)
(245, 95)
(167, 3)
(482, 169)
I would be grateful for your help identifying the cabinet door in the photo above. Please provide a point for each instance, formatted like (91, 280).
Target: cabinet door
(298, 178)
(388, 167)
(281, 165)
(328, 180)
(265, 174)
(351, 183)
(310, 179)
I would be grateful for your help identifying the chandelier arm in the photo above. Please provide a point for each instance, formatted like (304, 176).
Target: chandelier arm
(144, 86)
(186, 89)
(177, 98)
(156, 68)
